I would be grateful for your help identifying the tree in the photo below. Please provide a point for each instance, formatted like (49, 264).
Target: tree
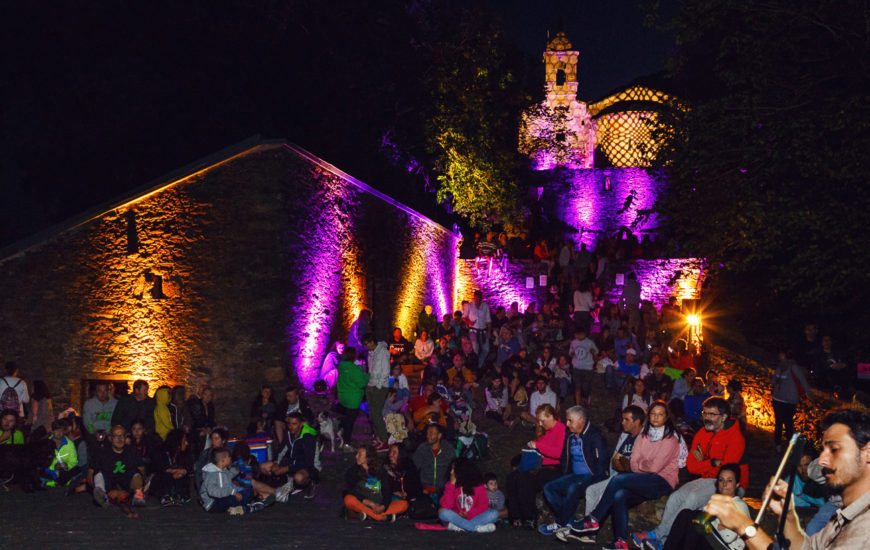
(769, 168)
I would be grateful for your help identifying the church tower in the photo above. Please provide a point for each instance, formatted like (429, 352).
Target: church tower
(559, 131)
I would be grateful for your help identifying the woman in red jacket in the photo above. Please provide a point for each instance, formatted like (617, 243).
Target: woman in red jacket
(465, 504)
(654, 474)
(524, 486)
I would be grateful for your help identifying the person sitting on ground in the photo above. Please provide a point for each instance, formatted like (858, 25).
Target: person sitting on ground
(293, 402)
(508, 345)
(583, 461)
(98, 409)
(435, 412)
(218, 492)
(263, 407)
(736, 402)
(399, 382)
(217, 438)
(117, 472)
(295, 468)
(63, 465)
(623, 341)
(846, 462)
(496, 497)
(694, 402)
(659, 384)
(162, 416)
(8, 434)
(541, 396)
(137, 405)
(398, 345)
(525, 485)
(684, 535)
(498, 405)
(465, 503)
(460, 368)
(424, 347)
(633, 418)
(13, 453)
(808, 491)
(714, 387)
(172, 470)
(681, 360)
(404, 480)
(683, 384)
(368, 492)
(351, 390)
(719, 441)
(432, 458)
(654, 474)
(637, 395)
(144, 442)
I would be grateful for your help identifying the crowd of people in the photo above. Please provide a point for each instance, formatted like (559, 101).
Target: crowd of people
(540, 370)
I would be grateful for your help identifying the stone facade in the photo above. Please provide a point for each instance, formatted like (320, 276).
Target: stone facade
(238, 274)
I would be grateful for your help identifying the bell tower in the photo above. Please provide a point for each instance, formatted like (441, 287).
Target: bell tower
(559, 131)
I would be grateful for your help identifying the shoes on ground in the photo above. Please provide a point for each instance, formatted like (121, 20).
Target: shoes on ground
(549, 528)
(381, 447)
(308, 493)
(282, 493)
(485, 528)
(236, 511)
(652, 544)
(618, 544)
(100, 497)
(641, 536)
(452, 527)
(584, 526)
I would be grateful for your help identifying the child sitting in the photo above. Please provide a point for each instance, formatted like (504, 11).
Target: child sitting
(218, 492)
(496, 497)
(399, 381)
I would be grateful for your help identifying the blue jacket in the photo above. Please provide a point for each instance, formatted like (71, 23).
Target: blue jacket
(594, 452)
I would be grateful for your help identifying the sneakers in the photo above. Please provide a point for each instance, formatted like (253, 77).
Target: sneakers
(167, 501)
(255, 506)
(485, 528)
(549, 529)
(584, 526)
(100, 497)
(381, 447)
(282, 493)
(565, 534)
(139, 498)
(452, 527)
(652, 544)
(308, 493)
(640, 537)
(236, 511)
(618, 544)
(391, 518)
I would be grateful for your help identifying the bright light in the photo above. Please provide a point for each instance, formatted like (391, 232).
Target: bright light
(693, 320)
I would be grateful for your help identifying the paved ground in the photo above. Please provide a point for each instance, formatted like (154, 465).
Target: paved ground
(49, 519)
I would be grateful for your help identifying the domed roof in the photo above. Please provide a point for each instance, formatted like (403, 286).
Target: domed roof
(559, 44)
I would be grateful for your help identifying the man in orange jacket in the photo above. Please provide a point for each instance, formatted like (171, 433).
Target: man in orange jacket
(719, 442)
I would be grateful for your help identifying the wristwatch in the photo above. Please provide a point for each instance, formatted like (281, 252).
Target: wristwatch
(749, 532)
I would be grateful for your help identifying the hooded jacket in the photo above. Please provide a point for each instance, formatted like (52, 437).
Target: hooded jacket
(162, 418)
(216, 483)
(351, 383)
(433, 469)
(67, 453)
(299, 453)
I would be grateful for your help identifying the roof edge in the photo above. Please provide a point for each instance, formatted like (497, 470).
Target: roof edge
(205, 163)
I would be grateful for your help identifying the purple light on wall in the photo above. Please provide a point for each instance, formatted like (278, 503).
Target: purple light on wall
(661, 279)
(591, 208)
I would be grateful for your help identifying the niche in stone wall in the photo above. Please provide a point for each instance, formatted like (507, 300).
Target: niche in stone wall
(152, 285)
(132, 234)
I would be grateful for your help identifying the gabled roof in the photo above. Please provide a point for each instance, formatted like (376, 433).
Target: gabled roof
(208, 162)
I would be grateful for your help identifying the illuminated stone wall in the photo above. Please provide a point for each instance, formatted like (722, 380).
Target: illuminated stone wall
(661, 279)
(502, 285)
(603, 200)
(239, 274)
(757, 387)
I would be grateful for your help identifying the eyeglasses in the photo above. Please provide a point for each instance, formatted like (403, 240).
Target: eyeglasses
(710, 414)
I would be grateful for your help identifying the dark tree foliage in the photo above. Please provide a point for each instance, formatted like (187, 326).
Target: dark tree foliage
(769, 167)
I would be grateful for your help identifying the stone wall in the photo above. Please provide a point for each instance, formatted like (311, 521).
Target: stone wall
(501, 284)
(603, 200)
(757, 389)
(239, 274)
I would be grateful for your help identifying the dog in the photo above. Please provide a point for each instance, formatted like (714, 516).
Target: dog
(329, 431)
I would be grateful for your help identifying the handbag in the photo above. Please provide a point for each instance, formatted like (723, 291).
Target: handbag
(530, 459)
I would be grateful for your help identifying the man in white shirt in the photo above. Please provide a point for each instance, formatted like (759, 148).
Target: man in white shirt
(98, 409)
(477, 316)
(18, 385)
(542, 394)
(378, 388)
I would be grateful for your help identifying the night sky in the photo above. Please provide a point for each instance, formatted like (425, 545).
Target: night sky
(99, 100)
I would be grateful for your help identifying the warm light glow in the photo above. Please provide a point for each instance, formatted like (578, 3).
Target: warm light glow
(693, 320)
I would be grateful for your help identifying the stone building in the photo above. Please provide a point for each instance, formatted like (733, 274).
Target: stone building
(236, 271)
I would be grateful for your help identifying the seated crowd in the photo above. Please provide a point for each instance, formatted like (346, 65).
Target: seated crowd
(514, 370)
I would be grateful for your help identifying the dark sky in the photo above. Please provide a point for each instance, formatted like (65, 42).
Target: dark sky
(615, 47)
(98, 100)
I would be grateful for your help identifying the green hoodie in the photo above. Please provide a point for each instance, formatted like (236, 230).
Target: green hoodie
(351, 384)
(67, 453)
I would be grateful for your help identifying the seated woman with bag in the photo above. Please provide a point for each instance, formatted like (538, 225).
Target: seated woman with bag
(369, 493)
(539, 466)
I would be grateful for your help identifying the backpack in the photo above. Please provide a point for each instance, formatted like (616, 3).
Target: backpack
(422, 508)
(9, 398)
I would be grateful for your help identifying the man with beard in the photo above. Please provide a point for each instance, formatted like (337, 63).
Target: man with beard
(719, 442)
(845, 461)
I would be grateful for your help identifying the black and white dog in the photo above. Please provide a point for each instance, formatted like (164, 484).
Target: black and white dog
(329, 430)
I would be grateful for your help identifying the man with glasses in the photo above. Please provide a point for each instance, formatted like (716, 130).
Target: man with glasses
(719, 442)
